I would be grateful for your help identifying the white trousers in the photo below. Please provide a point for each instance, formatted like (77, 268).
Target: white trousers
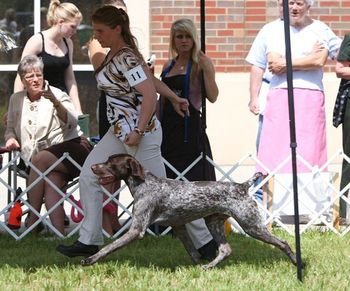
(149, 155)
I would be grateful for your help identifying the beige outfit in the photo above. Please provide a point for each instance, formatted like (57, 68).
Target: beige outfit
(36, 125)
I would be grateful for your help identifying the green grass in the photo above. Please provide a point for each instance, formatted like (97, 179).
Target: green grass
(162, 264)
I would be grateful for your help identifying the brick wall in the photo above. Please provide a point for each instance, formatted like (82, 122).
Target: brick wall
(231, 26)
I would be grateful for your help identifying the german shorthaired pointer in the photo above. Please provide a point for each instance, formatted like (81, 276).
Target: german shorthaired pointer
(174, 203)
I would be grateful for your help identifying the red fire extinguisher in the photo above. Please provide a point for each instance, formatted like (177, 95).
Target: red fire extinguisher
(14, 220)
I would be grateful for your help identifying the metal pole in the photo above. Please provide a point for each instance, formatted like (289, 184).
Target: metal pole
(202, 20)
(204, 94)
(293, 143)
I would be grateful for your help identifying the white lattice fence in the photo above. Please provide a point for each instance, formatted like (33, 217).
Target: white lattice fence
(318, 195)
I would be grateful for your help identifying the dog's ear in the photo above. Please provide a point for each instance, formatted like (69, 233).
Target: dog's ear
(136, 169)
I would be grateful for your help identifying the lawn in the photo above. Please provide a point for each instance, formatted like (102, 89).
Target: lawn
(162, 264)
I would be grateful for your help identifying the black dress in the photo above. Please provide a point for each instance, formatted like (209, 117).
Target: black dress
(54, 67)
(183, 141)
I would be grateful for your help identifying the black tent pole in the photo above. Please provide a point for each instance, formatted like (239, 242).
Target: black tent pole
(204, 94)
(293, 143)
(202, 20)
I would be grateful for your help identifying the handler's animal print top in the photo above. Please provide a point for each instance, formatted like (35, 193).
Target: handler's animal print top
(117, 78)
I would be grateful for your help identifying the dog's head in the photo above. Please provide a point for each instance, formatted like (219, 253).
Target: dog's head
(118, 167)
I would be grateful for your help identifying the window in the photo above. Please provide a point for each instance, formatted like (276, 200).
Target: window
(30, 17)
(21, 19)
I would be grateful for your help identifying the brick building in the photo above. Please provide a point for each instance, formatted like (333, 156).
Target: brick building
(231, 25)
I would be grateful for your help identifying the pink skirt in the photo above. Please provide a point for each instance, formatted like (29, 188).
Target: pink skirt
(310, 124)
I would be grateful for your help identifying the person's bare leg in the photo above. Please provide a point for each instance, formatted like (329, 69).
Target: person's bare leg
(42, 160)
(107, 222)
(52, 197)
(36, 194)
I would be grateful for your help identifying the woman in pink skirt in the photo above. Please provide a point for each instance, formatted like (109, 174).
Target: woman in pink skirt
(311, 43)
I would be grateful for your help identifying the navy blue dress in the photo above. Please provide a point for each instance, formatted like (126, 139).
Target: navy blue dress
(175, 149)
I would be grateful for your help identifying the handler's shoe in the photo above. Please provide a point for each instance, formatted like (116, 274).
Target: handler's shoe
(77, 249)
(208, 251)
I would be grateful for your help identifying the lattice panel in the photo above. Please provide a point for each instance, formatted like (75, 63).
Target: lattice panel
(320, 186)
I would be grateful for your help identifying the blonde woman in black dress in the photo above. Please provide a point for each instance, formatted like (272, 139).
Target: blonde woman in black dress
(184, 138)
(55, 47)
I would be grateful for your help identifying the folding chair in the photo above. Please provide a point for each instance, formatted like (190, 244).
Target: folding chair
(2, 151)
(12, 194)
(15, 170)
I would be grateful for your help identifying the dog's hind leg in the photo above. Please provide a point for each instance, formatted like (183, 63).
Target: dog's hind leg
(265, 236)
(254, 227)
(181, 233)
(215, 224)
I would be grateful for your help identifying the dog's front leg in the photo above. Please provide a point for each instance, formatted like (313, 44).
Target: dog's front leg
(181, 233)
(127, 238)
(140, 221)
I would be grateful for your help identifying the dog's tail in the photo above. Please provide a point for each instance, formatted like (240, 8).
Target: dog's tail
(253, 179)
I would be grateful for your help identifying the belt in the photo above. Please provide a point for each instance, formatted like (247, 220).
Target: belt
(266, 81)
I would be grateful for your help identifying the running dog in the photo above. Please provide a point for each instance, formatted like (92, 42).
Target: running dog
(175, 203)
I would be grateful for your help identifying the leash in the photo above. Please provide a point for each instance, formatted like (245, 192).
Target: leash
(186, 95)
(186, 89)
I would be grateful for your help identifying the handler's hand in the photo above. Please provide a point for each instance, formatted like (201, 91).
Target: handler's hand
(181, 105)
(254, 106)
(12, 144)
(133, 139)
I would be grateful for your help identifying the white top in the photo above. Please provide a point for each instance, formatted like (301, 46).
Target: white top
(117, 79)
(257, 56)
(257, 53)
(302, 42)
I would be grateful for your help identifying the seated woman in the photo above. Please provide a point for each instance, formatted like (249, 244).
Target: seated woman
(43, 124)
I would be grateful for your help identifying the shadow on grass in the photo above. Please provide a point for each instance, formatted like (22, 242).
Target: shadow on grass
(35, 252)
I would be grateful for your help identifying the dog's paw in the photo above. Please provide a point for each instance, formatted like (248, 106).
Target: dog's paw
(208, 266)
(88, 261)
